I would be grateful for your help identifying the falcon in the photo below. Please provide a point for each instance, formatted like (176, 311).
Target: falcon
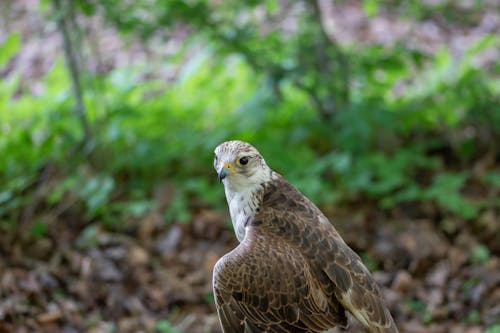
(291, 272)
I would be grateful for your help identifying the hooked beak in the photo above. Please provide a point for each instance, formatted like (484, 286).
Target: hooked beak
(224, 172)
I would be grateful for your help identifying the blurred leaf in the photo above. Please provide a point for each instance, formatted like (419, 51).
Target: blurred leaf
(96, 191)
(409, 193)
(164, 326)
(492, 178)
(469, 286)
(369, 262)
(9, 48)
(5, 196)
(474, 317)
(178, 209)
(493, 329)
(370, 7)
(445, 190)
(486, 41)
(272, 6)
(133, 208)
(209, 298)
(480, 254)
(58, 193)
(89, 237)
(39, 229)
(415, 305)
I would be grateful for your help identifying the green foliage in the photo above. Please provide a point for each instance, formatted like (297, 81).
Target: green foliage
(89, 237)
(445, 191)
(492, 179)
(370, 7)
(474, 317)
(453, 91)
(261, 37)
(469, 286)
(479, 254)
(164, 326)
(369, 262)
(95, 193)
(419, 307)
(493, 329)
(39, 229)
(9, 48)
(390, 125)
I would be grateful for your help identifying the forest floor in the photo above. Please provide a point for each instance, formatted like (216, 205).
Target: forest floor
(86, 279)
(438, 274)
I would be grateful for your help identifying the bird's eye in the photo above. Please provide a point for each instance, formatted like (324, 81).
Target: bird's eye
(243, 160)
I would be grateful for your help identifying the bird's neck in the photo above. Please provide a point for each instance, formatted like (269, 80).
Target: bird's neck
(242, 207)
(243, 204)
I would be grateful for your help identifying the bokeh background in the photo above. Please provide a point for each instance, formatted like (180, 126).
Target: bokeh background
(385, 113)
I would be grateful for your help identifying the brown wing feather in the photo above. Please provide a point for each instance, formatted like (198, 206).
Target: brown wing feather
(265, 285)
(292, 217)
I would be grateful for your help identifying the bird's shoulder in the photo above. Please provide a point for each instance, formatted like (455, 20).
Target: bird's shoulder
(278, 193)
(284, 211)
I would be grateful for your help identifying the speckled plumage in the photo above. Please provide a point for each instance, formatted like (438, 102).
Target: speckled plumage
(291, 272)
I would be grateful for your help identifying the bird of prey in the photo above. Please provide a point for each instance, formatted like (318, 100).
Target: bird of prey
(291, 272)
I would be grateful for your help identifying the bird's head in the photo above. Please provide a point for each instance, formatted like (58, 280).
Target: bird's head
(240, 166)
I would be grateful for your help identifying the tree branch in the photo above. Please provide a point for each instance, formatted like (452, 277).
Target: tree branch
(72, 64)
